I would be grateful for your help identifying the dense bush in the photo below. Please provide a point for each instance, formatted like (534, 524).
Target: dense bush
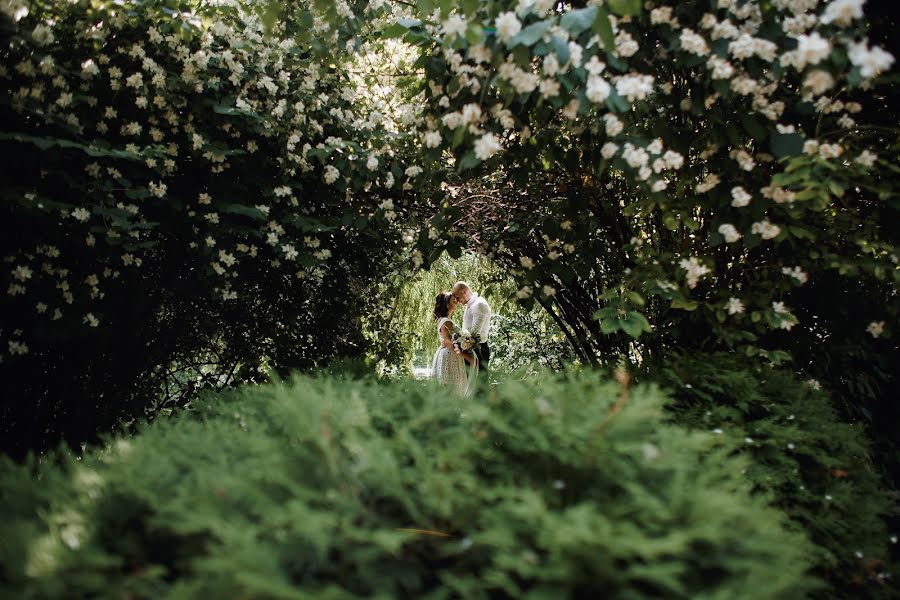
(818, 469)
(340, 489)
(674, 168)
(189, 199)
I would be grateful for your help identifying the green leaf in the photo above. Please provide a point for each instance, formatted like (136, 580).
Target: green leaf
(531, 34)
(635, 298)
(684, 304)
(576, 21)
(617, 102)
(787, 144)
(603, 28)
(608, 326)
(468, 161)
(471, 6)
(561, 48)
(625, 7)
(425, 7)
(634, 324)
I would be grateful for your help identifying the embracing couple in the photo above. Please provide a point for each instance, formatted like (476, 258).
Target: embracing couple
(459, 347)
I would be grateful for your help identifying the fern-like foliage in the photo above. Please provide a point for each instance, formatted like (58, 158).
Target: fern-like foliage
(334, 488)
(817, 468)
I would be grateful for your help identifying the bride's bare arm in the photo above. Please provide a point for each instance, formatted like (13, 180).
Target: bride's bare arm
(445, 336)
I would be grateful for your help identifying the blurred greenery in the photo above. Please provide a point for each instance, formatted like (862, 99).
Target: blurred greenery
(333, 488)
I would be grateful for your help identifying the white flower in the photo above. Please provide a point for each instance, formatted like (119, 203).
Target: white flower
(134, 81)
(743, 158)
(594, 66)
(507, 25)
(778, 194)
(290, 252)
(486, 146)
(811, 50)
(372, 162)
(635, 87)
(875, 328)
(734, 306)
(157, 189)
(609, 150)
(551, 65)
(432, 139)
(729, 232)
(765, 229)
(331, 174)
(549, 290)
(842, 12)
(797, 273)
(16, 347)
(549, 88)
(597, 90)
(613, 125)
(693, 42)
(227, 258)
(452, 120)
(524, 292)
(413, 171)
(708, 183)
(471, 113)
(693, 270)
(455, 25)
(626, 45)
(870, 62)
(22, 273)
(818, 82)
(721, 68)
(526, 262)
(740, 197)
(524, 82)
(91, 320)
(673, 160)
(830, 150)
(661, 15)
(866, 158)
(81, 214)
(42, 35)
(576, 54)
(846, 121)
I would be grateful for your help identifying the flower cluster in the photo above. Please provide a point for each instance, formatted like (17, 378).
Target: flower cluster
(203, 135)
(672, 101)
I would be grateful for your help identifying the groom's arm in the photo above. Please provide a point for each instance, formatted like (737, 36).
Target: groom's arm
(480, 314)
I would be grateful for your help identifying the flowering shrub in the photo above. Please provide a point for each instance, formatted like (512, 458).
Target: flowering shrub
(192, 199)
(722, 152)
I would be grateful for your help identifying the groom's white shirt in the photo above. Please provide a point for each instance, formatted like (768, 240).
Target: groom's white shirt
(477, 318)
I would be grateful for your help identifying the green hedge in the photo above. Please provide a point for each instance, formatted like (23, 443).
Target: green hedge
(573, 488)
(818, 469)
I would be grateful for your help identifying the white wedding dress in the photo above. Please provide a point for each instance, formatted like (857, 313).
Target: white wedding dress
(448, 367)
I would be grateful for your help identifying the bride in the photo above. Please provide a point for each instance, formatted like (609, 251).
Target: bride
(448, 366)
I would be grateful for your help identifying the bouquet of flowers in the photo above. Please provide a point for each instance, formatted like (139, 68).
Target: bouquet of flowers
(465, 340)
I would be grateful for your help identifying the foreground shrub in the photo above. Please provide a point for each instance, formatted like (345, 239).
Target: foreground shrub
(818, 468)
(342, 489)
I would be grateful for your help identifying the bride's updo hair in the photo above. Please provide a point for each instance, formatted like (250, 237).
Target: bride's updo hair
(442, 305)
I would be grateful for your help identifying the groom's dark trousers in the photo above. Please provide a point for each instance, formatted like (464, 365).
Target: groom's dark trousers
(484, 356)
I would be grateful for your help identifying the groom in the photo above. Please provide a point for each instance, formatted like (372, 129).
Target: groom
(477, 319)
